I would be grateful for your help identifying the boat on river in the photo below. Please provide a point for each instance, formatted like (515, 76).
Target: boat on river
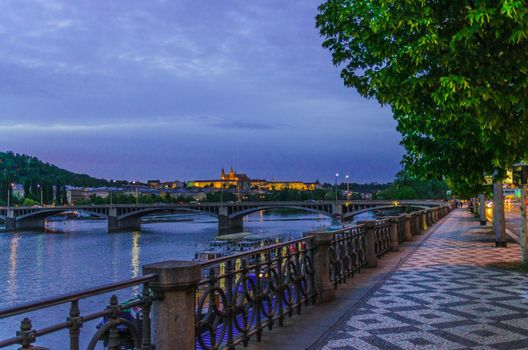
(236, 243)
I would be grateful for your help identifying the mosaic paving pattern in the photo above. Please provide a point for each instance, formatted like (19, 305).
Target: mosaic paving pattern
(444, 296)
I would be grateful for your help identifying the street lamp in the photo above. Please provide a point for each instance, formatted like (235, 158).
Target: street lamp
(348, 189)
(9, 186)
(41, 195)
(336, 176)
(137, 192)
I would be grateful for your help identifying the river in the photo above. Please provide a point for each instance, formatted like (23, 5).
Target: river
(74, 255)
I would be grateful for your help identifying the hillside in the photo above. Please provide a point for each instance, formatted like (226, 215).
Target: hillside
(35, 174)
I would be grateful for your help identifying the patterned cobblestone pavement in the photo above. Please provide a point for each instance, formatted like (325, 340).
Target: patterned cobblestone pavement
(446, 295)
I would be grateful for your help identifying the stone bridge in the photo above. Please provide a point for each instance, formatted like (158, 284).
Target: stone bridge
(230, 215)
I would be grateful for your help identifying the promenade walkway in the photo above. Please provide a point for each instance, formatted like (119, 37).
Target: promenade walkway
(451, 291)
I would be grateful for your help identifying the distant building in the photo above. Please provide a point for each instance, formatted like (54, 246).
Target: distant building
(242, 181)
(154, 183)
(17, 191)
(74, 194)
(173, 184)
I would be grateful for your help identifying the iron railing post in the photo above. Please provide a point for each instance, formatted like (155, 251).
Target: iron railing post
(145, 313)
(76, 324)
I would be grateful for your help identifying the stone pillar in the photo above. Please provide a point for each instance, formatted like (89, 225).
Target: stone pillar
(337, 210)
(370, 241)
(407, 225)
(424, 220)
(499, 227)
(227, 225)
(128, 223)
(395, 244)
(482, 209)
(173, 317)
(323, 285)
(10, 220)
(416, 223)
(429, 217)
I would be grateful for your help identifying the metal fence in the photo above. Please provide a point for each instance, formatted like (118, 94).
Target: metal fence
(400, 226)
(382, 237)
(246, 293)
(116, 316)
(347, 253)
(237, 297)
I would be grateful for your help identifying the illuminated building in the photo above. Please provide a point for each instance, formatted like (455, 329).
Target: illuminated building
(239, 180)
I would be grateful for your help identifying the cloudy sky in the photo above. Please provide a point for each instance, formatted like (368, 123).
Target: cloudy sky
(177, 89)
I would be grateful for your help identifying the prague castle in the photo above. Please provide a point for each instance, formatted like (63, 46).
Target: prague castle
(233, 180)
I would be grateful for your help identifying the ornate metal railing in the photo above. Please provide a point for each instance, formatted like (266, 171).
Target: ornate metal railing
(116, 318)
(382, 237)
(347, 253)
(243, 294)
(401, 229)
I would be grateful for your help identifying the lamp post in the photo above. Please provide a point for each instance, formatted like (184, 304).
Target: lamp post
(41, 195)
(9, 194)
(137, 191)
(110, 189)
(348, 189)
(336, 176)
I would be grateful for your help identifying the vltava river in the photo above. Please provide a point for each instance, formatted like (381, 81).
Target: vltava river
(82, 254)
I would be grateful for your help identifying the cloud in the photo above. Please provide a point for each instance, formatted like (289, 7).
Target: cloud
(206, 72)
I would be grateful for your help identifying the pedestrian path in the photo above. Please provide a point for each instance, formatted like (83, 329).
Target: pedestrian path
(450, 293)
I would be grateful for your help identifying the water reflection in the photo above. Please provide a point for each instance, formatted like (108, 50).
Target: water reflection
(12, 275)
(82, 254)
(134, 264)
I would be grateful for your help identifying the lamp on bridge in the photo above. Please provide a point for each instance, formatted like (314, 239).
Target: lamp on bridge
(337, 175)
(348, 189)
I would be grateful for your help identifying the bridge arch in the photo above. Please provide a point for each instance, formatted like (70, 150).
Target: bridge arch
(245, 212)
(160, 210)
(42, 214)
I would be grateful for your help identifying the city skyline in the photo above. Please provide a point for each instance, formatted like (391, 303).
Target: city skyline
(177, 91)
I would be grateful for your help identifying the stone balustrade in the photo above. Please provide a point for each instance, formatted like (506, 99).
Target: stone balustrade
(229, 301)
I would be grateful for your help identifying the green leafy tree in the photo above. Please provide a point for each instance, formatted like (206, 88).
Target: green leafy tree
(27, 202)
(454, 73)
(37, 176)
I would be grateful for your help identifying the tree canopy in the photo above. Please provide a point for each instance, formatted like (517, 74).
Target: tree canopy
(454, 74)
(40, 179)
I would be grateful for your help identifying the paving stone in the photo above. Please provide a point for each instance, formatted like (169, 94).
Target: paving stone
(444, 296)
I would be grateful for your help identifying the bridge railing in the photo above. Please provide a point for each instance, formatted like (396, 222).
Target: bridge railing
(116, 318)
(229, 301)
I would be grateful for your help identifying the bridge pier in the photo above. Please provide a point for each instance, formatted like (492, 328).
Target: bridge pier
(131, 223)
(228, 225)
(36, 224)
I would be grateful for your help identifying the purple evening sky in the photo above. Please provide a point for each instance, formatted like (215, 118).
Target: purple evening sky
(178, 89)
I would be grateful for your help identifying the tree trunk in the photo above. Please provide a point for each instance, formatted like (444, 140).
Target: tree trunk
(498, 215)
(482, 209)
